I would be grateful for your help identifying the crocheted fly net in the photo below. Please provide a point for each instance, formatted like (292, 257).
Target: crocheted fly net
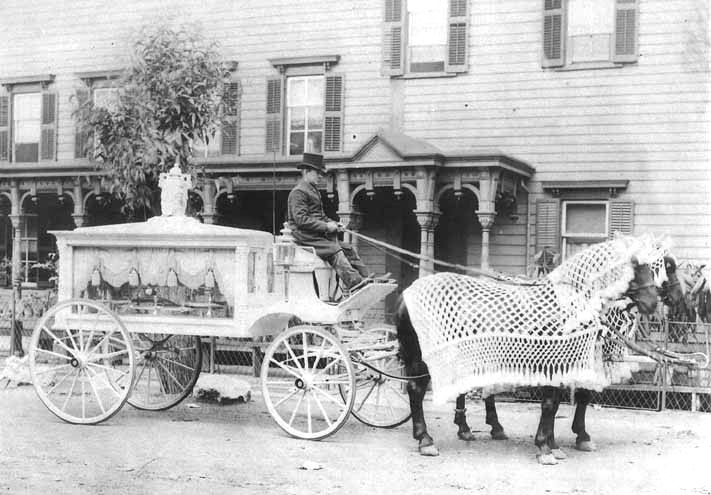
(487, 333)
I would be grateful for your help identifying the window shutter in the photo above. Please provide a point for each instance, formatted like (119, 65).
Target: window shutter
(621, 214)
(48, 135)
(333, 114)
(553, 33)
(81, 137)
(231, 120)
(4, 128)
(274, 115)
(457, 36)
(548, 224)
(394, 38)
(625, 35)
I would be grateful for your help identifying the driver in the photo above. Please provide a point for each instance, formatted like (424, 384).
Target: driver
(311, 227)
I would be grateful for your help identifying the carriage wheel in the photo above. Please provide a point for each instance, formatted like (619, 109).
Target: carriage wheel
(81, 361)
(308, 382)
(167, 367)
(380, 400)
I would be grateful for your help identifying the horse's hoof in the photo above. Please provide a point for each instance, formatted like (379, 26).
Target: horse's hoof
(585, 446)
(429, 451)
(467, 436)
(499, 435)
(559, 454)
(547, 459)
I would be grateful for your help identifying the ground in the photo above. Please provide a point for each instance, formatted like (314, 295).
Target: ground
(239, 449)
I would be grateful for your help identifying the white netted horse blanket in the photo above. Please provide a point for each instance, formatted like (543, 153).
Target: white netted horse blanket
(485, 333)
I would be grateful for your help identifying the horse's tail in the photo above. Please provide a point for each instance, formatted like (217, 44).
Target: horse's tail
(410, 351)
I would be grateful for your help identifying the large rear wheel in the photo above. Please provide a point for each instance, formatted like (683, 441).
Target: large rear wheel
(81, 361)
(308, 382)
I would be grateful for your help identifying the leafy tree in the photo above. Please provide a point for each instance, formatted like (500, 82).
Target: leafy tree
(170, 97)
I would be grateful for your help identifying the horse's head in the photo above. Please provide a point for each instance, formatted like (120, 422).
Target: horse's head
(671, 291)
(642, 289)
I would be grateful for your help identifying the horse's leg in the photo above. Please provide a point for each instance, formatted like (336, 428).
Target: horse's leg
(582, 441)
(555, 449)
(492, 419)
(411, 356)
(545, 426)
(416, 389)
(460, 419)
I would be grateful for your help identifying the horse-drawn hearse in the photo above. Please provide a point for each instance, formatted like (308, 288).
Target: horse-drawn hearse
(136, 299)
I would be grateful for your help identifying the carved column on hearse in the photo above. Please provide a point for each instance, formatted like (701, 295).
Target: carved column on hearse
(428, 221)
(78, 214)
(209, 215)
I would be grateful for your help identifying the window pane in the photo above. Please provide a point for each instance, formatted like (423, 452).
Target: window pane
(26, 118)
(296, 143)
(297, 91)
(315, 118)
(428, 22)
(106, 98)
(315, 89)
(297, 118)
(314, 143)
(591, 17)
(585, 218)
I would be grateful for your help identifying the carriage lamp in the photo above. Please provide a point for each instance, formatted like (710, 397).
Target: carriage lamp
(209, 288)
(284, 251)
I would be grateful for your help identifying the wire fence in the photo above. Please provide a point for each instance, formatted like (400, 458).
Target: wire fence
(652, 386)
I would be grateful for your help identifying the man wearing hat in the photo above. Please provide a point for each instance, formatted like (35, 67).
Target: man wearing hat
(311, 227)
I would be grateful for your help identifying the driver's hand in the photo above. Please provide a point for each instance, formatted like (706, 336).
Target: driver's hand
(332, 226)
(341, 227)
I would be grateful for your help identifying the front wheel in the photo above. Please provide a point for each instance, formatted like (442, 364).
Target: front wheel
(308, 382)
(81, 361)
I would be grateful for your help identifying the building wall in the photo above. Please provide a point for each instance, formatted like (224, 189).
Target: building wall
(647, 122)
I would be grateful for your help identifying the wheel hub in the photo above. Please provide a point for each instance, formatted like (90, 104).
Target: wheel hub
(305, 382)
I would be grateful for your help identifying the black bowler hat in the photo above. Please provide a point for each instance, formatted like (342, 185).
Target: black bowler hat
(314, 161)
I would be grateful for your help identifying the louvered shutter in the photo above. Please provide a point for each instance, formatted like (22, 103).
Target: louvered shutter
(274, 115)
(457, 36)
(394, 37)
(231, 121)
(553, 33)
(81, 137)
(621, 215)
(48, 134)
(548, 224)
(625, 35)
(4, 128)
(333, 114)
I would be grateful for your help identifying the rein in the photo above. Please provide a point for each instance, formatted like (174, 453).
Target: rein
(478, 271)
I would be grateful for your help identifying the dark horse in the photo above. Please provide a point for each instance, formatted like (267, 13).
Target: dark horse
(641, 290)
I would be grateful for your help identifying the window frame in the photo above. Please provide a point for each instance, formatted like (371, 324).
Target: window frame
(13, 124)
(288, 109)
(582, 236)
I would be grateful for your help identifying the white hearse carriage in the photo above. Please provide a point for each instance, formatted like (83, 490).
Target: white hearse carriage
(135, 299)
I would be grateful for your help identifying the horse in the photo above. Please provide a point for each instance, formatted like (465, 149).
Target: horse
(515, 333)
(616, 317)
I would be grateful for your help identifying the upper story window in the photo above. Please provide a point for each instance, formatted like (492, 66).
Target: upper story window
(304, 106)
(425, 37)
(28, 114)
(304, 114)
(107, 98)
(585, 33)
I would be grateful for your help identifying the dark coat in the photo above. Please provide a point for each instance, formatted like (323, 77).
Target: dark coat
(307, 220)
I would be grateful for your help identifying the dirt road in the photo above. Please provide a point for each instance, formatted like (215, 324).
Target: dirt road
(239, 449)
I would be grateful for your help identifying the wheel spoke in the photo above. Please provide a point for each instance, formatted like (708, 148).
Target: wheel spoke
(66, 375)
(96, 394)
(320, 353)
(62, 356)
(176, 363)
(71, 390)
(286, 368)
(308, 411)
(286, 397)
(362, 403)
(330, 397)
(110, 355)
(69, 333)
(323, 411)
(171, 375)
(53, 368)
(293, 413)
(398, 393)
(110, 387)
(58, 340)
(293, 356)
(101, 342)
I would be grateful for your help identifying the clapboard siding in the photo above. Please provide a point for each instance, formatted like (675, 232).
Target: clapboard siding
(647, 122)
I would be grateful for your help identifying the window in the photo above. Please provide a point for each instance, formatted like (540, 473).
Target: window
(304, 114)
(106, 98)
(586, 32)
(425, 37)
(309, 113)
(571, 225)
(227, 138)
(26, 126)
(584, 223)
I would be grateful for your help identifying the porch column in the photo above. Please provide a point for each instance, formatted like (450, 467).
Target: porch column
(16, 220)
(428, 222)
(79, 213)
(353, 220)
(486, 219)
(209, 215)
(346, 213)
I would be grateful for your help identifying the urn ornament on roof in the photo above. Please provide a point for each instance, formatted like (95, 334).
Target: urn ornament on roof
(174, 187)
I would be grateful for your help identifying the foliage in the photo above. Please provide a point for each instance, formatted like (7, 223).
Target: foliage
(170, 97)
